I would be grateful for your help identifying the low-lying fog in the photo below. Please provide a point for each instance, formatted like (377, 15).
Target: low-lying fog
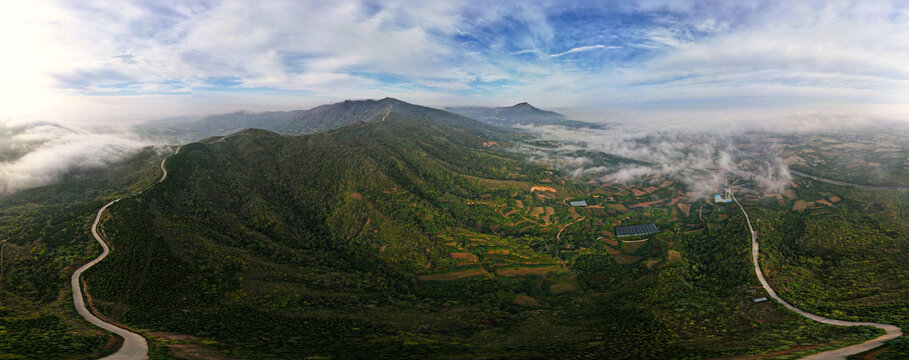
(34, 154)
(700, 154)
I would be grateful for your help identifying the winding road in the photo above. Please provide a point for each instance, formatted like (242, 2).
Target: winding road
(134, 345)
(892, 331)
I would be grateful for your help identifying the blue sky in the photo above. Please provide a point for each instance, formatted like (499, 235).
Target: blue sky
(656, 59)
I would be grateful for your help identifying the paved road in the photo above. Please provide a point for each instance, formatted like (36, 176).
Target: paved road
(841, 353)
(134, 346)
(843, 183)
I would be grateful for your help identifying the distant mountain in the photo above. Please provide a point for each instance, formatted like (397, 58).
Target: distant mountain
(297, 122)
(519, 114)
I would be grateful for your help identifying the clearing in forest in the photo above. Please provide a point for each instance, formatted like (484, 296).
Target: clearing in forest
(800, 205)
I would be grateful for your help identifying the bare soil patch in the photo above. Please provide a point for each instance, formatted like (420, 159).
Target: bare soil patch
(790, 194)
(463, 256)
(686, 208)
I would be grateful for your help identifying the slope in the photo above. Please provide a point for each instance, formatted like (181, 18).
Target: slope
(414, 235)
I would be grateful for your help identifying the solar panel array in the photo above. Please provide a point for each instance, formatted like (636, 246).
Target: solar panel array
(635, 230)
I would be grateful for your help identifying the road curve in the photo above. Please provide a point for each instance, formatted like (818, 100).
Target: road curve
(843, 183)
(892, 332)
(134, 346)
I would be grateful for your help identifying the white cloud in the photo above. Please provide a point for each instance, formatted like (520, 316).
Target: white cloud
(806, 56)
(37, 154)
(584, 48)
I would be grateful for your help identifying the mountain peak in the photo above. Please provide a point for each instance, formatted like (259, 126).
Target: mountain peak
(524, 105)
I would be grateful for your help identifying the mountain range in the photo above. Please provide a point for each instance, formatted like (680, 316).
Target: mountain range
(337, 115)
(403, 231)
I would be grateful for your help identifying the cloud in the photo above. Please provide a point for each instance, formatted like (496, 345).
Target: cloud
(703, 160)
(584, 48)
(663, 55)
(34, 154)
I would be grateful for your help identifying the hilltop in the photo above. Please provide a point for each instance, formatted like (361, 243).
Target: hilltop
(516, 115)
(297, 122)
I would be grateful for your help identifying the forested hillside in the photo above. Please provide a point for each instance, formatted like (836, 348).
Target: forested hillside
(46, 233)
(418, 235)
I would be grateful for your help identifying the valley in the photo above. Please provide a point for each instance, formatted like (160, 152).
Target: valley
(427, 234)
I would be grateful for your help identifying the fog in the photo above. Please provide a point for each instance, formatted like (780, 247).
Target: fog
(34, 154)
(704, 160)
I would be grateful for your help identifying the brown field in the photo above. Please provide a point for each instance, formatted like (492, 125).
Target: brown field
(574, 213)
(637, 192)
(650, 189)
(525, 300)
(666, 183)
(499, 252)
(674, 255)
(800, 205)
(686, 208)
(542, 188)
(648, 203)
(835, 198)
(537, 211)
(549, 212)
(456, 275)
(651, 263)
(519, 203)
(618, 207)
(610, 241)
(790, 194)
(463, 256)
(529, 271)
(825, 202)
(356, 196)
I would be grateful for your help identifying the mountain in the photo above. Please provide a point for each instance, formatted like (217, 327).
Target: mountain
(297, 122)
(516, 115)
(423, 234)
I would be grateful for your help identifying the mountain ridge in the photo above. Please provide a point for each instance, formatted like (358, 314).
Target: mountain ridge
(518, 115)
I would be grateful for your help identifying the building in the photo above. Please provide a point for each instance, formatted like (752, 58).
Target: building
(635, 230)
(760, 299)
(725, 197)
(578, 203)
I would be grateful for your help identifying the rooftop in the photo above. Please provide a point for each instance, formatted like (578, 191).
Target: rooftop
(635, 230)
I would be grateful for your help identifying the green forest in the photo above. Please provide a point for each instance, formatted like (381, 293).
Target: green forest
(427, 235)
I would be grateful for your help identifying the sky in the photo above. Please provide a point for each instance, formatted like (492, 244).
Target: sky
(108, 63)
